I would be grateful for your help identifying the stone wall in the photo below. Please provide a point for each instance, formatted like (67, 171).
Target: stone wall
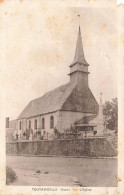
(90, 147)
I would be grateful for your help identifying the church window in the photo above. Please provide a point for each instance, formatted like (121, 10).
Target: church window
(43, 123)
(29, 124)
(51, 122)
(35, 124)
(20, 125)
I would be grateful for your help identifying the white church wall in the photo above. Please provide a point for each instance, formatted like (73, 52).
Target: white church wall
(25, 122)
(62, 121)
(23, 126)
(47, 121)
(67, 118)
(18, 126)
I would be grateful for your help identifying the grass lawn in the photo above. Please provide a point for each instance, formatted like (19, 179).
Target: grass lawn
(89, 172)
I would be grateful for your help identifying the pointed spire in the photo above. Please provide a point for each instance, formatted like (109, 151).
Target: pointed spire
(79, 53)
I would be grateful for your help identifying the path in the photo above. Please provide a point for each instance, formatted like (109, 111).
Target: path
(89, 172)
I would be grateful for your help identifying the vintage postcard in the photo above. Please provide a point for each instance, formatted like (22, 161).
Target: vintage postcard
(61, 97)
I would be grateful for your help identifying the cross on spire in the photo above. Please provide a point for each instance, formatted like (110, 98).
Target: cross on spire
(101, 97)
(79, 19)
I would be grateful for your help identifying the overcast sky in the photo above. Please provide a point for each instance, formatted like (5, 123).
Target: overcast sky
(40, 45)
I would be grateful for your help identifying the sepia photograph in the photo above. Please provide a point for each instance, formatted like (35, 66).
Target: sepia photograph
(61, 94)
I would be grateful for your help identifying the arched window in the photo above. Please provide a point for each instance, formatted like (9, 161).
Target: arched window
(35, 124)
(20, 125)
(51, 122)
(29, 124)
(43, 123)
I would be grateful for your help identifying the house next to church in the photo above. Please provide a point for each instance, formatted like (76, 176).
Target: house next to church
(72, 104)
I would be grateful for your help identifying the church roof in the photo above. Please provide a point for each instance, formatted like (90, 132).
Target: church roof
(86, 119)
(66, 97)
(49, 102)
(81, 101)
(79, 53)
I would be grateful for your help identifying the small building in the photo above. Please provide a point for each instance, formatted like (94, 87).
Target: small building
(11, 129)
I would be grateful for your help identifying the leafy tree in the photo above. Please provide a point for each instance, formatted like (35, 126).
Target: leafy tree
(110, 110)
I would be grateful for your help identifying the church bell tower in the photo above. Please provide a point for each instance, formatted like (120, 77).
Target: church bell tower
(79, 67)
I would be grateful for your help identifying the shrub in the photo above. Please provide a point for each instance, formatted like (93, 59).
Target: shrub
(46, 172)
(38, 171)
(10, 175)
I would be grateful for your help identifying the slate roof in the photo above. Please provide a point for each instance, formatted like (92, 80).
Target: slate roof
(49, 102)
(86, 119)
(79, 53)
(66, 98)
(81, 101)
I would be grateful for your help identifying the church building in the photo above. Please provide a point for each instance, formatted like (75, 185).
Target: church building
(62, 107)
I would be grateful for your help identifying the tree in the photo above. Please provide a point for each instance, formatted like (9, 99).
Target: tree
(110, 110)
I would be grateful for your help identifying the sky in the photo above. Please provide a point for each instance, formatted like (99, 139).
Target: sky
(39, 45)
